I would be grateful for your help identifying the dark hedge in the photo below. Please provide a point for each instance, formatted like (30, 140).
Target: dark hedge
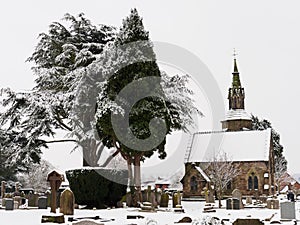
(92, 188)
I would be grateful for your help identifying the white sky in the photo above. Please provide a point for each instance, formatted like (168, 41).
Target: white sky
(265, 34)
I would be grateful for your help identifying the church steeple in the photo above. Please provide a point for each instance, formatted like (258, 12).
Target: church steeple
(237, 118)
(236, 94)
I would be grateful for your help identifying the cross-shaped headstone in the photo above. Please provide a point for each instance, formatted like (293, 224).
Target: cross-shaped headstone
(55, 180)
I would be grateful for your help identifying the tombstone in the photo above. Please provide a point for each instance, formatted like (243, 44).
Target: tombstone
(54, 218)
(236, 193)
(87, 222)
(148, 198)
(33, 200)
(273, 204)
(55, 180)
(17, 187)
(233, 203)
(247, 222)
(153, 200)
(67, 202)
(42, 202)
(248, 200)
(164, 200)
(9, 204)
(16, 204)
(176, 199)
(287, 210)
(157, 195)
(3, 184)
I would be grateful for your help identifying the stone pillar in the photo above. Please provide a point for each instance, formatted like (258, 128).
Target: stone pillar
(3, 186)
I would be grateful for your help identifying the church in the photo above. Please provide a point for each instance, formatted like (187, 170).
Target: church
(251, 151)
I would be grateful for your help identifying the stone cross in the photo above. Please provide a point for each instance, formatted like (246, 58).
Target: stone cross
(55, 180)
(3, 184)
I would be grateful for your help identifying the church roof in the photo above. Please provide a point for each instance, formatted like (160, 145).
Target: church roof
(237, 114)
(252, 145)
(203, 174)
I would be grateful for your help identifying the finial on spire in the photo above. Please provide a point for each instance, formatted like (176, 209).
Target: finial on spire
(234, 53)
(235, 70)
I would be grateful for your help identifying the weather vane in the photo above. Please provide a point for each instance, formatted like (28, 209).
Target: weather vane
(234, 53)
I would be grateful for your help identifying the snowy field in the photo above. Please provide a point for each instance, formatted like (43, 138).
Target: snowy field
(192, 209)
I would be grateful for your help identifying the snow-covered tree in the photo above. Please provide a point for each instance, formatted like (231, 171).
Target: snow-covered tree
(221, 171)
(169, 100)
(36, 176)
(60, 58)
(280, 161)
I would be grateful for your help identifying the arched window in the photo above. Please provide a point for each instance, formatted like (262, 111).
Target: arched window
(229, 185)
(250, 183)
(194, 185)
(255, 182)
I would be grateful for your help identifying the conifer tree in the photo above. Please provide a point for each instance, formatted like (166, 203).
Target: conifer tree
(145, 109)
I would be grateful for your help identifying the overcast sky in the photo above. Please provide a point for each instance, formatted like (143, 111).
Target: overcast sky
(265, 34)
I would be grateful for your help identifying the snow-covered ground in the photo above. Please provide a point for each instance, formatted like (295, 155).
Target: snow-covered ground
(193, 210)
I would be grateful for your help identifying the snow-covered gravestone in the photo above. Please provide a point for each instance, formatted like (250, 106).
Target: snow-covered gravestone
(236, 194)
(287, 210)
(55, 180)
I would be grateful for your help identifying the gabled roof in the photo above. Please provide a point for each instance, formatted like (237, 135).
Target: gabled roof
(203, 174)
(252, 145)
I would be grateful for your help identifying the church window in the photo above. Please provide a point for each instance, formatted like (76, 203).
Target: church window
(229, 185)
(194, 185)
(255, 182)
(250, 183)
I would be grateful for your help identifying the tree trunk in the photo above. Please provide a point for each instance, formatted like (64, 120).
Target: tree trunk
(137, 177)
(91, 152)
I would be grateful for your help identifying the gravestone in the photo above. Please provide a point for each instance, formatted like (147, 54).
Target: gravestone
(153, 200)
(9, 204)
(176, 199)
(273, 204)
(248, 200)
(55, 180)
(236, 193)
(16, 204)
(287, 210)
(248, 222)
(17, 187)
(18, 199)
(67, 202)
(164, 200)
(87, 222)
(148, 197)
(42, 202)
(3, 186)
(233, 203)
(157, 195)
(33, 200)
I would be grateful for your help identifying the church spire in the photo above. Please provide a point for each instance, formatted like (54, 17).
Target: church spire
(236, 93)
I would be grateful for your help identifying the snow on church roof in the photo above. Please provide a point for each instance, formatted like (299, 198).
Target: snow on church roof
(204, 175)
(237, 114)
(250, 145)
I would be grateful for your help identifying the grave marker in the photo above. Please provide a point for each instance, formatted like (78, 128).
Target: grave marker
(55, 180)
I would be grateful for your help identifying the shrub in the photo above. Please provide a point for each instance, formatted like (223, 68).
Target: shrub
(92, 188)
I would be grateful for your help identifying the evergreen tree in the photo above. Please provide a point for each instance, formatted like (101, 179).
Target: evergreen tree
(60, 59)
(145, 109)
(263, 124)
